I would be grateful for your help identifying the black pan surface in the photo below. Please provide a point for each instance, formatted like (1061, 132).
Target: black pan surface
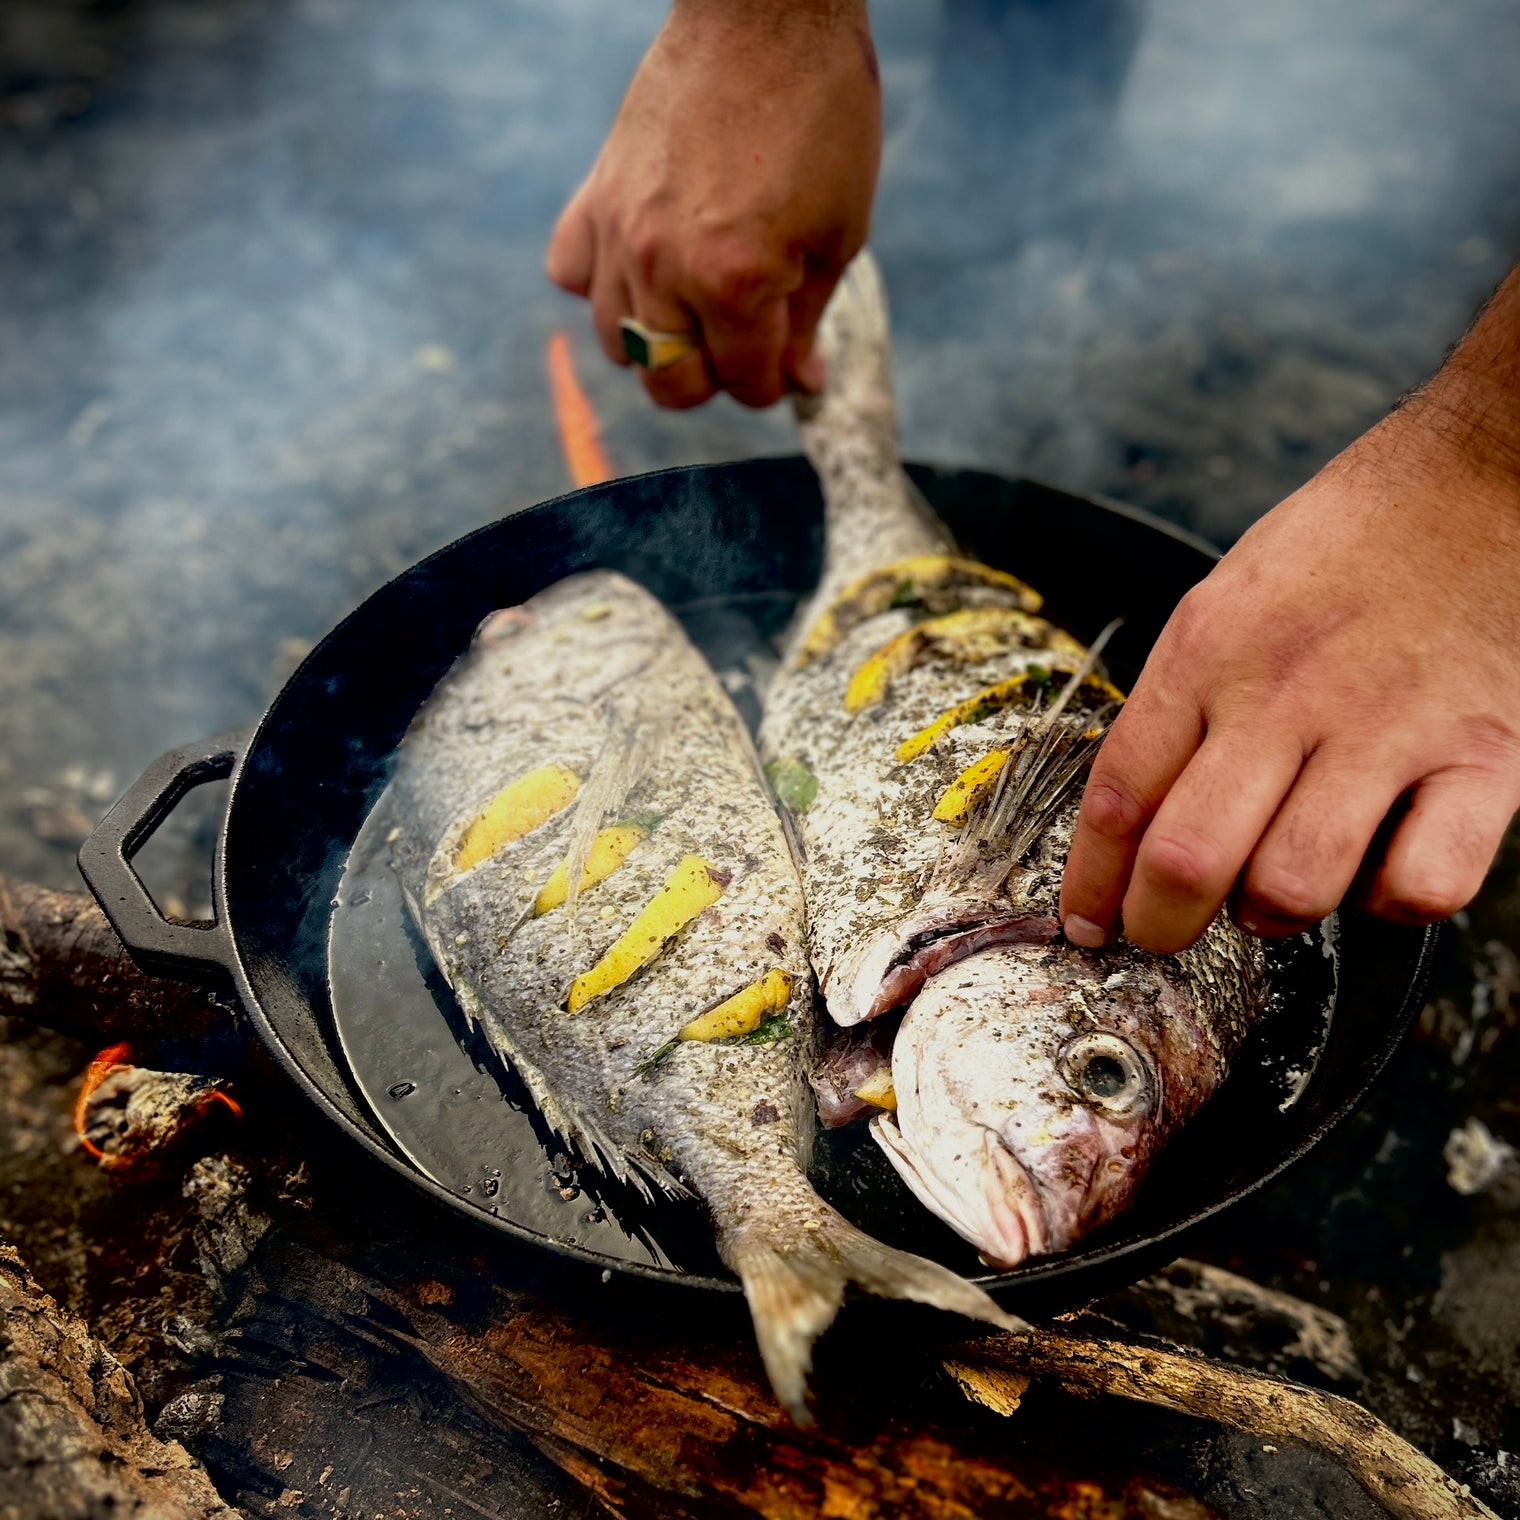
(731, 547)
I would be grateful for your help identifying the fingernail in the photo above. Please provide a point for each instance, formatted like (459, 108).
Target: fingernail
(1083, 932)
(809, 371)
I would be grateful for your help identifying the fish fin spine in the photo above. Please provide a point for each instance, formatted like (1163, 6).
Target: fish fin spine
(630, 1167)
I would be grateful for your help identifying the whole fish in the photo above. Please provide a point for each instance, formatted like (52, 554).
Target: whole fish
(586, 842)
(929, 734)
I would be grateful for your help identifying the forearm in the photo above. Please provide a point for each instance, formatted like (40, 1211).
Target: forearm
(1472, 403)
(776, 40)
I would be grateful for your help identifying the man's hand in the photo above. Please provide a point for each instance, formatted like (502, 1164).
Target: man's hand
(1348, 675)
(733, 189)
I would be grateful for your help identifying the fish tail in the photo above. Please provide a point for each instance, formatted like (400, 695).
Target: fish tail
(854, 338)
(874, 513)
(795, 1281)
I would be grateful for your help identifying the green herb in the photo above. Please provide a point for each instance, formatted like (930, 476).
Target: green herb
(769, 1031)
(646, 1064)
(1039, 674)
(649, 822)
(905, 595)
(793, 783)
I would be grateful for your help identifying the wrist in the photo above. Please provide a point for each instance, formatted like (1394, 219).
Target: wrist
(760, 27)
(1472, 421)
(1471, 406)
(774, 15)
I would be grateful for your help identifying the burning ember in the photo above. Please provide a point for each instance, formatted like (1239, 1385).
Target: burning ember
(112, 1058)
(139, 1111)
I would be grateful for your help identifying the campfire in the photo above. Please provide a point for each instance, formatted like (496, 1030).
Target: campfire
(337, 1363)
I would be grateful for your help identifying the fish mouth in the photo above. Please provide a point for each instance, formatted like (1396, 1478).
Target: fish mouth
(1004, 1218)
(894, 963)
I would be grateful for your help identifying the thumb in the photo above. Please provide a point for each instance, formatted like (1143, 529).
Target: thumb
(571, 255)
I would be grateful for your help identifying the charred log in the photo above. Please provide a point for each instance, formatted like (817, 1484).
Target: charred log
(74, 1444)
(62, 966)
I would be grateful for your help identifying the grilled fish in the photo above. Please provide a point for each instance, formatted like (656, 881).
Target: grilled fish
(585, 841)
(929, 732)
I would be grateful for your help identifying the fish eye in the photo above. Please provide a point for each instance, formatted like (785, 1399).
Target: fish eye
(1108, 1074)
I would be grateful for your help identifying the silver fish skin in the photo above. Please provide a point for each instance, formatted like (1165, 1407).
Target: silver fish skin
(1035, 1084)
(594, 676)
(901, 903)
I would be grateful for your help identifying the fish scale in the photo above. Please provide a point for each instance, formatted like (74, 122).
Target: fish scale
(862, 872)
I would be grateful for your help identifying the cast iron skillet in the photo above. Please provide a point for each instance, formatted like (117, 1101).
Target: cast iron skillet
(727, 535)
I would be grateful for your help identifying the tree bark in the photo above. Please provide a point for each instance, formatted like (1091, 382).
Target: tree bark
(73, 1441)
(62, 966)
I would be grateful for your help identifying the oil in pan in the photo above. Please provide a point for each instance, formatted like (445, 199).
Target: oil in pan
(452, 1108)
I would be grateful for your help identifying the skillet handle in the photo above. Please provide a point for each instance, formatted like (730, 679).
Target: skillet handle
(188, 952)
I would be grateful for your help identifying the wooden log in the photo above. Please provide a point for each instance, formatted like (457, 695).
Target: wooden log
(633, 1408)
(74, 1444)
(62, 966)
(1402, 1480)
(655, 1419)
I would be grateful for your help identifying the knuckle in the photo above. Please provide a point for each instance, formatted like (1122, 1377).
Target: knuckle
(560, 266)
(758, 391)
(731, 275)
(1491, 745)
(645, 245)
(1181, 863)
(1422, 902)
(1111, 810)
(1275, 892)
(678, 392)
(1189, 630)
(1424, 893)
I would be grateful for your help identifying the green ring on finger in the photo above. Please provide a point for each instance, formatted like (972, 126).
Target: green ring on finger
(653, 350)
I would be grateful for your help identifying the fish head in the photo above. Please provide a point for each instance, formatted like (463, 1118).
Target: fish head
(1033, 1085)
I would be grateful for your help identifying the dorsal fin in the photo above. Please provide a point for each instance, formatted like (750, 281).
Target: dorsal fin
(1043, 773)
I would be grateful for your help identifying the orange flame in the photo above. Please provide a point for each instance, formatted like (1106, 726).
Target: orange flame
(579, 431)
(216, 1095)
(109, 1059)
(113, 1058)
